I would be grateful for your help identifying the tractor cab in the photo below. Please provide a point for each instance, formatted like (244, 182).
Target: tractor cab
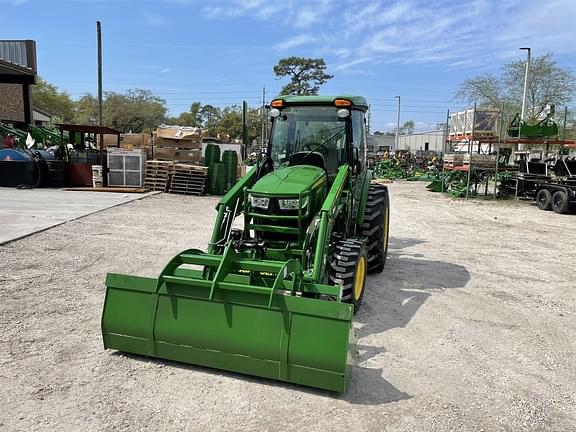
(321, 131)
(312, 137)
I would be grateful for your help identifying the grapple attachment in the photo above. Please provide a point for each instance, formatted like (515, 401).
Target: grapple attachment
(233, 312)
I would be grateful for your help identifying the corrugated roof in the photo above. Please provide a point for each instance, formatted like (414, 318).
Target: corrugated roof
(10, 68)
(19, 52)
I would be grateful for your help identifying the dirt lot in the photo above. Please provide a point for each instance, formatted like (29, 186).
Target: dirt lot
(472, 326)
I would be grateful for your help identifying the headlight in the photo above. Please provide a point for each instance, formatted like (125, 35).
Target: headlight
(292, 203)
(259, 202)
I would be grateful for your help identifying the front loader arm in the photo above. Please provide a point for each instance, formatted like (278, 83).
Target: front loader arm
(328, 215)
(232, 201)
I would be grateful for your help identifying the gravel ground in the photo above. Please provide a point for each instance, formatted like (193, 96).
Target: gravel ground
(471, 327)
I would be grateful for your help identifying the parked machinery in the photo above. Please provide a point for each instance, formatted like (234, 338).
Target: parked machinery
(558, 193)
(546, 127)
(276, 298)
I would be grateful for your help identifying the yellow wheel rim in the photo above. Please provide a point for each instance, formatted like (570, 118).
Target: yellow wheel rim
(385, 234)
(359, 278)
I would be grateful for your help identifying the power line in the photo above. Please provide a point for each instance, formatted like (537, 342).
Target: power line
(413, 111)
(238, 92)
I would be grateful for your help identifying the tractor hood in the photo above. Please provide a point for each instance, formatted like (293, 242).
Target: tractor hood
(290, 180)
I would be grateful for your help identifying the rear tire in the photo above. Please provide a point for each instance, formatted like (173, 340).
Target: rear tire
(376, 227)
(349, 268)
(544, 199)
(560, 202)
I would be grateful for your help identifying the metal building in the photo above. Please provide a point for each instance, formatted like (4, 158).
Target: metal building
(379, 143)
(425, 141)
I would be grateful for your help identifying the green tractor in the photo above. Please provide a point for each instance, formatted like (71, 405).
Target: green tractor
(276, 298)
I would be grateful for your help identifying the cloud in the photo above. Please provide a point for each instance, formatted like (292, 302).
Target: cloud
(294, 42)
(261, 9)
(293, 13)
(356, 34)
(154, 19)
(358, 61)
(165, 70)
(311, 14)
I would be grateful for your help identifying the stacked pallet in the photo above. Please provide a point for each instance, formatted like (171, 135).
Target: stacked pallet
(158, 175)
(188, 179)
(452, 160)
(480, 160)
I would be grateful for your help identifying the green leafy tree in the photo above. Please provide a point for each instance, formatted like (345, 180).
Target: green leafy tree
(188, 118)
(224, 121)
(548, 83)
(46, 97)
(210, 116)
(306, 75)
(231, 122)
(408, 127)
(135, 110)
(86, 110)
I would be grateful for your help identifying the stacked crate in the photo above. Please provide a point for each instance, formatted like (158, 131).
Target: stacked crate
(178, 144)
(158, 174)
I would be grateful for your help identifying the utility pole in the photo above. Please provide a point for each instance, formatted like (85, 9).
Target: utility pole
(396, 142)
(99, 36)
(245, 128)
(524, 95)
(101, 137)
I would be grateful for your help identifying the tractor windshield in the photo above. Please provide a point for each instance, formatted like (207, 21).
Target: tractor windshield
(300, 131)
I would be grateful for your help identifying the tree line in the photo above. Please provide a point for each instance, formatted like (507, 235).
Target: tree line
(139, 110)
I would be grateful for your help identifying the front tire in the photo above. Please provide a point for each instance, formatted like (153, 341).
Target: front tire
(348, 268)
(376, 227)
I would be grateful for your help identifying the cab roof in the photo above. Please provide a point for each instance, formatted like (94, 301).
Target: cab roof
(358, 102)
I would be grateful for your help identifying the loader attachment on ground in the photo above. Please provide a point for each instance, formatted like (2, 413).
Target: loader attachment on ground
(232, 312)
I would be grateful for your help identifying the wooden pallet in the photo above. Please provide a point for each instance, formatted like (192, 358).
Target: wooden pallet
(158, 174)
(187, 191)
(180, 167)
(188, 179)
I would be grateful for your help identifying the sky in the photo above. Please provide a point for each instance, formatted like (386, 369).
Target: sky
(222, 52)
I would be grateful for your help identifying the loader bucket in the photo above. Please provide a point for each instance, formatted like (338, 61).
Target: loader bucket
(226, 316)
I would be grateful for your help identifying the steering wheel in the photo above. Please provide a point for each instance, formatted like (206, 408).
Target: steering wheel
(310, 148)
(264, 167)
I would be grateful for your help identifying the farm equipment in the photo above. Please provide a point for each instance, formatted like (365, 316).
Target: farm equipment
(275, 299)
(19, 135)
(544, 128)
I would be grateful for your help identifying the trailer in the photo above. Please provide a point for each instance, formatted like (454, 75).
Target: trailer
(558, 193)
